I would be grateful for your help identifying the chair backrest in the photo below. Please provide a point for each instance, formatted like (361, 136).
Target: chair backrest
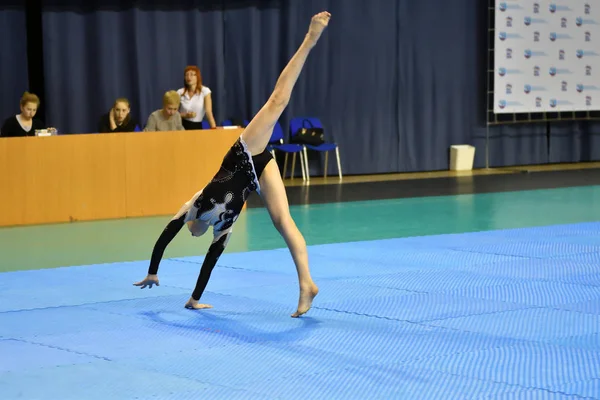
(205, 124)
(235, 121)
(299, 122)
(277, 135)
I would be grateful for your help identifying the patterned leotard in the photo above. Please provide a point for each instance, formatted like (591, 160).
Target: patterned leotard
(222, 200)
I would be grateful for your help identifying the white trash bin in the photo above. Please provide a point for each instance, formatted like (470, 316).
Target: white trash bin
(461, 157)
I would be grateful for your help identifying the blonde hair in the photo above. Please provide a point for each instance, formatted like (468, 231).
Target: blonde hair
(30, 98)
(122, 100)
(171, 98)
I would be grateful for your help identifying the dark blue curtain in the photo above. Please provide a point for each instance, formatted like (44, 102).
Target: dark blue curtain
(395, 82)
(349, 81)
(13, 57)
(97, 51)
(574, 141)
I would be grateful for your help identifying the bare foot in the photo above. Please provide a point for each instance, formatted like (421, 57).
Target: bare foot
(318, 23)
(306, 298)
(194, 305)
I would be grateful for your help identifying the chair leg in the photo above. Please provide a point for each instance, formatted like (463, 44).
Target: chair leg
(285, 165)
(339, 164)
(302, 166)
(306, 163)
(326, 164)
(293, 166)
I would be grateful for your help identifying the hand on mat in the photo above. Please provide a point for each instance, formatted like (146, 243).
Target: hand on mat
(148, 281)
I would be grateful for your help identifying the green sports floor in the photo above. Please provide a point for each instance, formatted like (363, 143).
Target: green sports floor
(329, 214)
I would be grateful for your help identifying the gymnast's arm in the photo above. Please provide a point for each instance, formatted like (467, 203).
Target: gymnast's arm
(167, 235)
(212, 256)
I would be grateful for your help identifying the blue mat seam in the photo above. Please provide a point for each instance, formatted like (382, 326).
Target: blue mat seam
(558, 308)
(85, 304)
(61, 348)
(525, 307)
(495, 254)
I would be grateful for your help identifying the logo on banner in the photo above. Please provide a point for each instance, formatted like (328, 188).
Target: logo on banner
(509, 53)
(538, 102)
(563, 22)
(579, 21)
(527, 21)
(587, 9)
(527, 89)
(563, 86)
(561, 54)
(588, 70)
(579, 87)
(552, 71)
(527, 53)
(508, 22)
(502, 104)
(502, 36)
(579, 53)
(588, 37)
(502, 7)
(536, 36)
(552, 103)
(536, 8)
(553, 36)
(508, 88)
(536, 71)
(588, 100)
(552, 8)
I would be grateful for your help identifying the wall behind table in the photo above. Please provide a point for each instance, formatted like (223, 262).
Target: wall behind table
(13, 57)
(96, 51)
(396, 82)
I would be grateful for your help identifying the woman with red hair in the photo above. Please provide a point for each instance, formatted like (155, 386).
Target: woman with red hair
(196, 101)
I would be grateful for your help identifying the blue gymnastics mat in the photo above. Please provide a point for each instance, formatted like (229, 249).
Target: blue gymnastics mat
(491, 315)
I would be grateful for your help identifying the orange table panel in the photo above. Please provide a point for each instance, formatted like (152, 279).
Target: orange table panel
(102, 176)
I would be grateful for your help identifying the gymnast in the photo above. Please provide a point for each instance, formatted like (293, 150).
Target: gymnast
(246, 167)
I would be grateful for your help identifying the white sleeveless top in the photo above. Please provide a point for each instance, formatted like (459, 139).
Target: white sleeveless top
(194, 103)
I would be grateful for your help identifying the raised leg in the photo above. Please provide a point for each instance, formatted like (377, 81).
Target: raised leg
(258, 132)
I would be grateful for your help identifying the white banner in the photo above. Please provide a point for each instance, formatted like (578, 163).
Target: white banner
(547, 56)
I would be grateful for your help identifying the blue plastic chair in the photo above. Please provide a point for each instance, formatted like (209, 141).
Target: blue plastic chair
(229, 122)
(301, 122)
(205, 124)
(276, 143)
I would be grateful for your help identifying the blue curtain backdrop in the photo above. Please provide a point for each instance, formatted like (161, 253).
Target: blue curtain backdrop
(13, 57)
(97, 51)
(395, 82)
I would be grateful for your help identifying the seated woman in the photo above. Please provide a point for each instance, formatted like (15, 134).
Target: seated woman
(196, 101)
(118, 119)
(167, 118)
(24, 124)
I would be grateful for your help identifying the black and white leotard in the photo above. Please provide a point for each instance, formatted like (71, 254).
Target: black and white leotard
(221, 201)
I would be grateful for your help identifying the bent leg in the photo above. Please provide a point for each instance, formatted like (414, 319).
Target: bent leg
(275, 198)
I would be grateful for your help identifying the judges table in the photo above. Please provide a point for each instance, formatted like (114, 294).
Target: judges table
(100, 176)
